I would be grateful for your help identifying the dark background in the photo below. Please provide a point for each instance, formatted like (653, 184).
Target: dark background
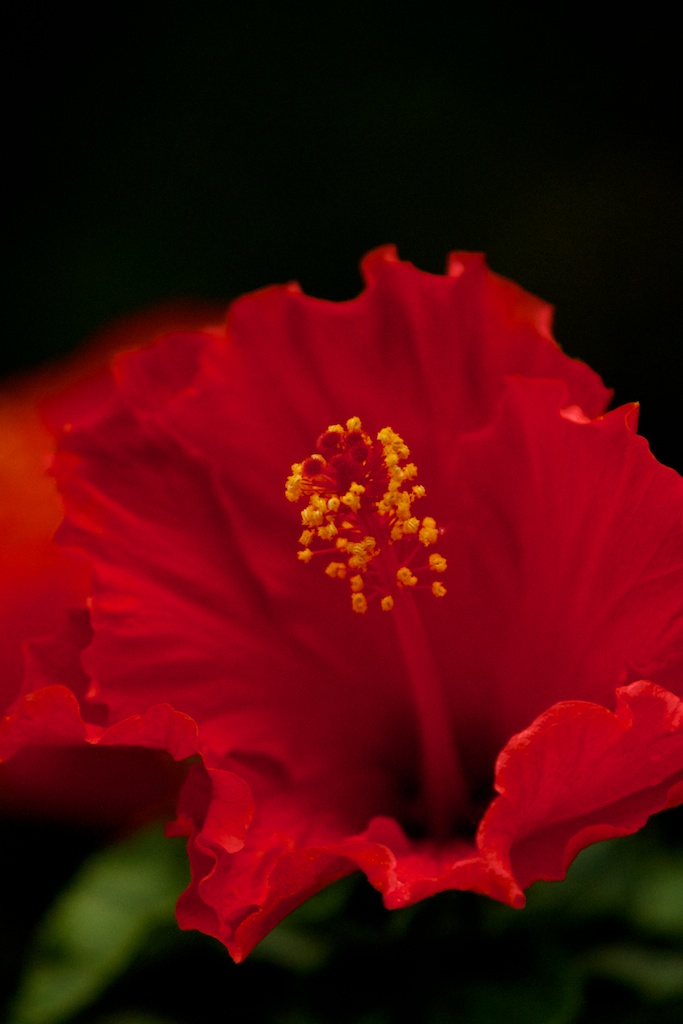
(200, 150)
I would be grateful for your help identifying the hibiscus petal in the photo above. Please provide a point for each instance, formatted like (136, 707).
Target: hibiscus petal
(118, 774)
(577, 775)
(581, 773)
(567, 547)
(38, 579)
(239, 897)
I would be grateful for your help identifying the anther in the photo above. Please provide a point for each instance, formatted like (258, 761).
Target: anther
(358, 501)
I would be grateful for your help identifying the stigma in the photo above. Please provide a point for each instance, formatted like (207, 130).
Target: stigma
(360, 495)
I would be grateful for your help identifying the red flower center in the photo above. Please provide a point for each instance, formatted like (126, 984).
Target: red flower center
(360, 497)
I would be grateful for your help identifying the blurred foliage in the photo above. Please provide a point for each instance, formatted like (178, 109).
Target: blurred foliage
(604, 945)
(101, 920)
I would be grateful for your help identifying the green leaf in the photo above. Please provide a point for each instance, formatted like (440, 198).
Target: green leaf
(656, 974)
(657, 905)
(98, 923)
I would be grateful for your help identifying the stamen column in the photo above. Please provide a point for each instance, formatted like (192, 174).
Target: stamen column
(443, 781)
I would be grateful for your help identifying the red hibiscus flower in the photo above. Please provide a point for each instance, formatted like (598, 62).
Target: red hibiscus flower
(473, 668)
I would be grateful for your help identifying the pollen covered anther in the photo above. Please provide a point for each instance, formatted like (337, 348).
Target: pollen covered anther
(360, 495)
(405, 578)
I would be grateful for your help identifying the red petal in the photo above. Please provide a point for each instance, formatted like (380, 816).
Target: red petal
(99, 777)
(49, 715)
(37, 578)
(581, 773)
(567, 548)
(240, 896)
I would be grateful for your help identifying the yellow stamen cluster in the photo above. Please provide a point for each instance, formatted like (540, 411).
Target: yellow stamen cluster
(360, 496)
